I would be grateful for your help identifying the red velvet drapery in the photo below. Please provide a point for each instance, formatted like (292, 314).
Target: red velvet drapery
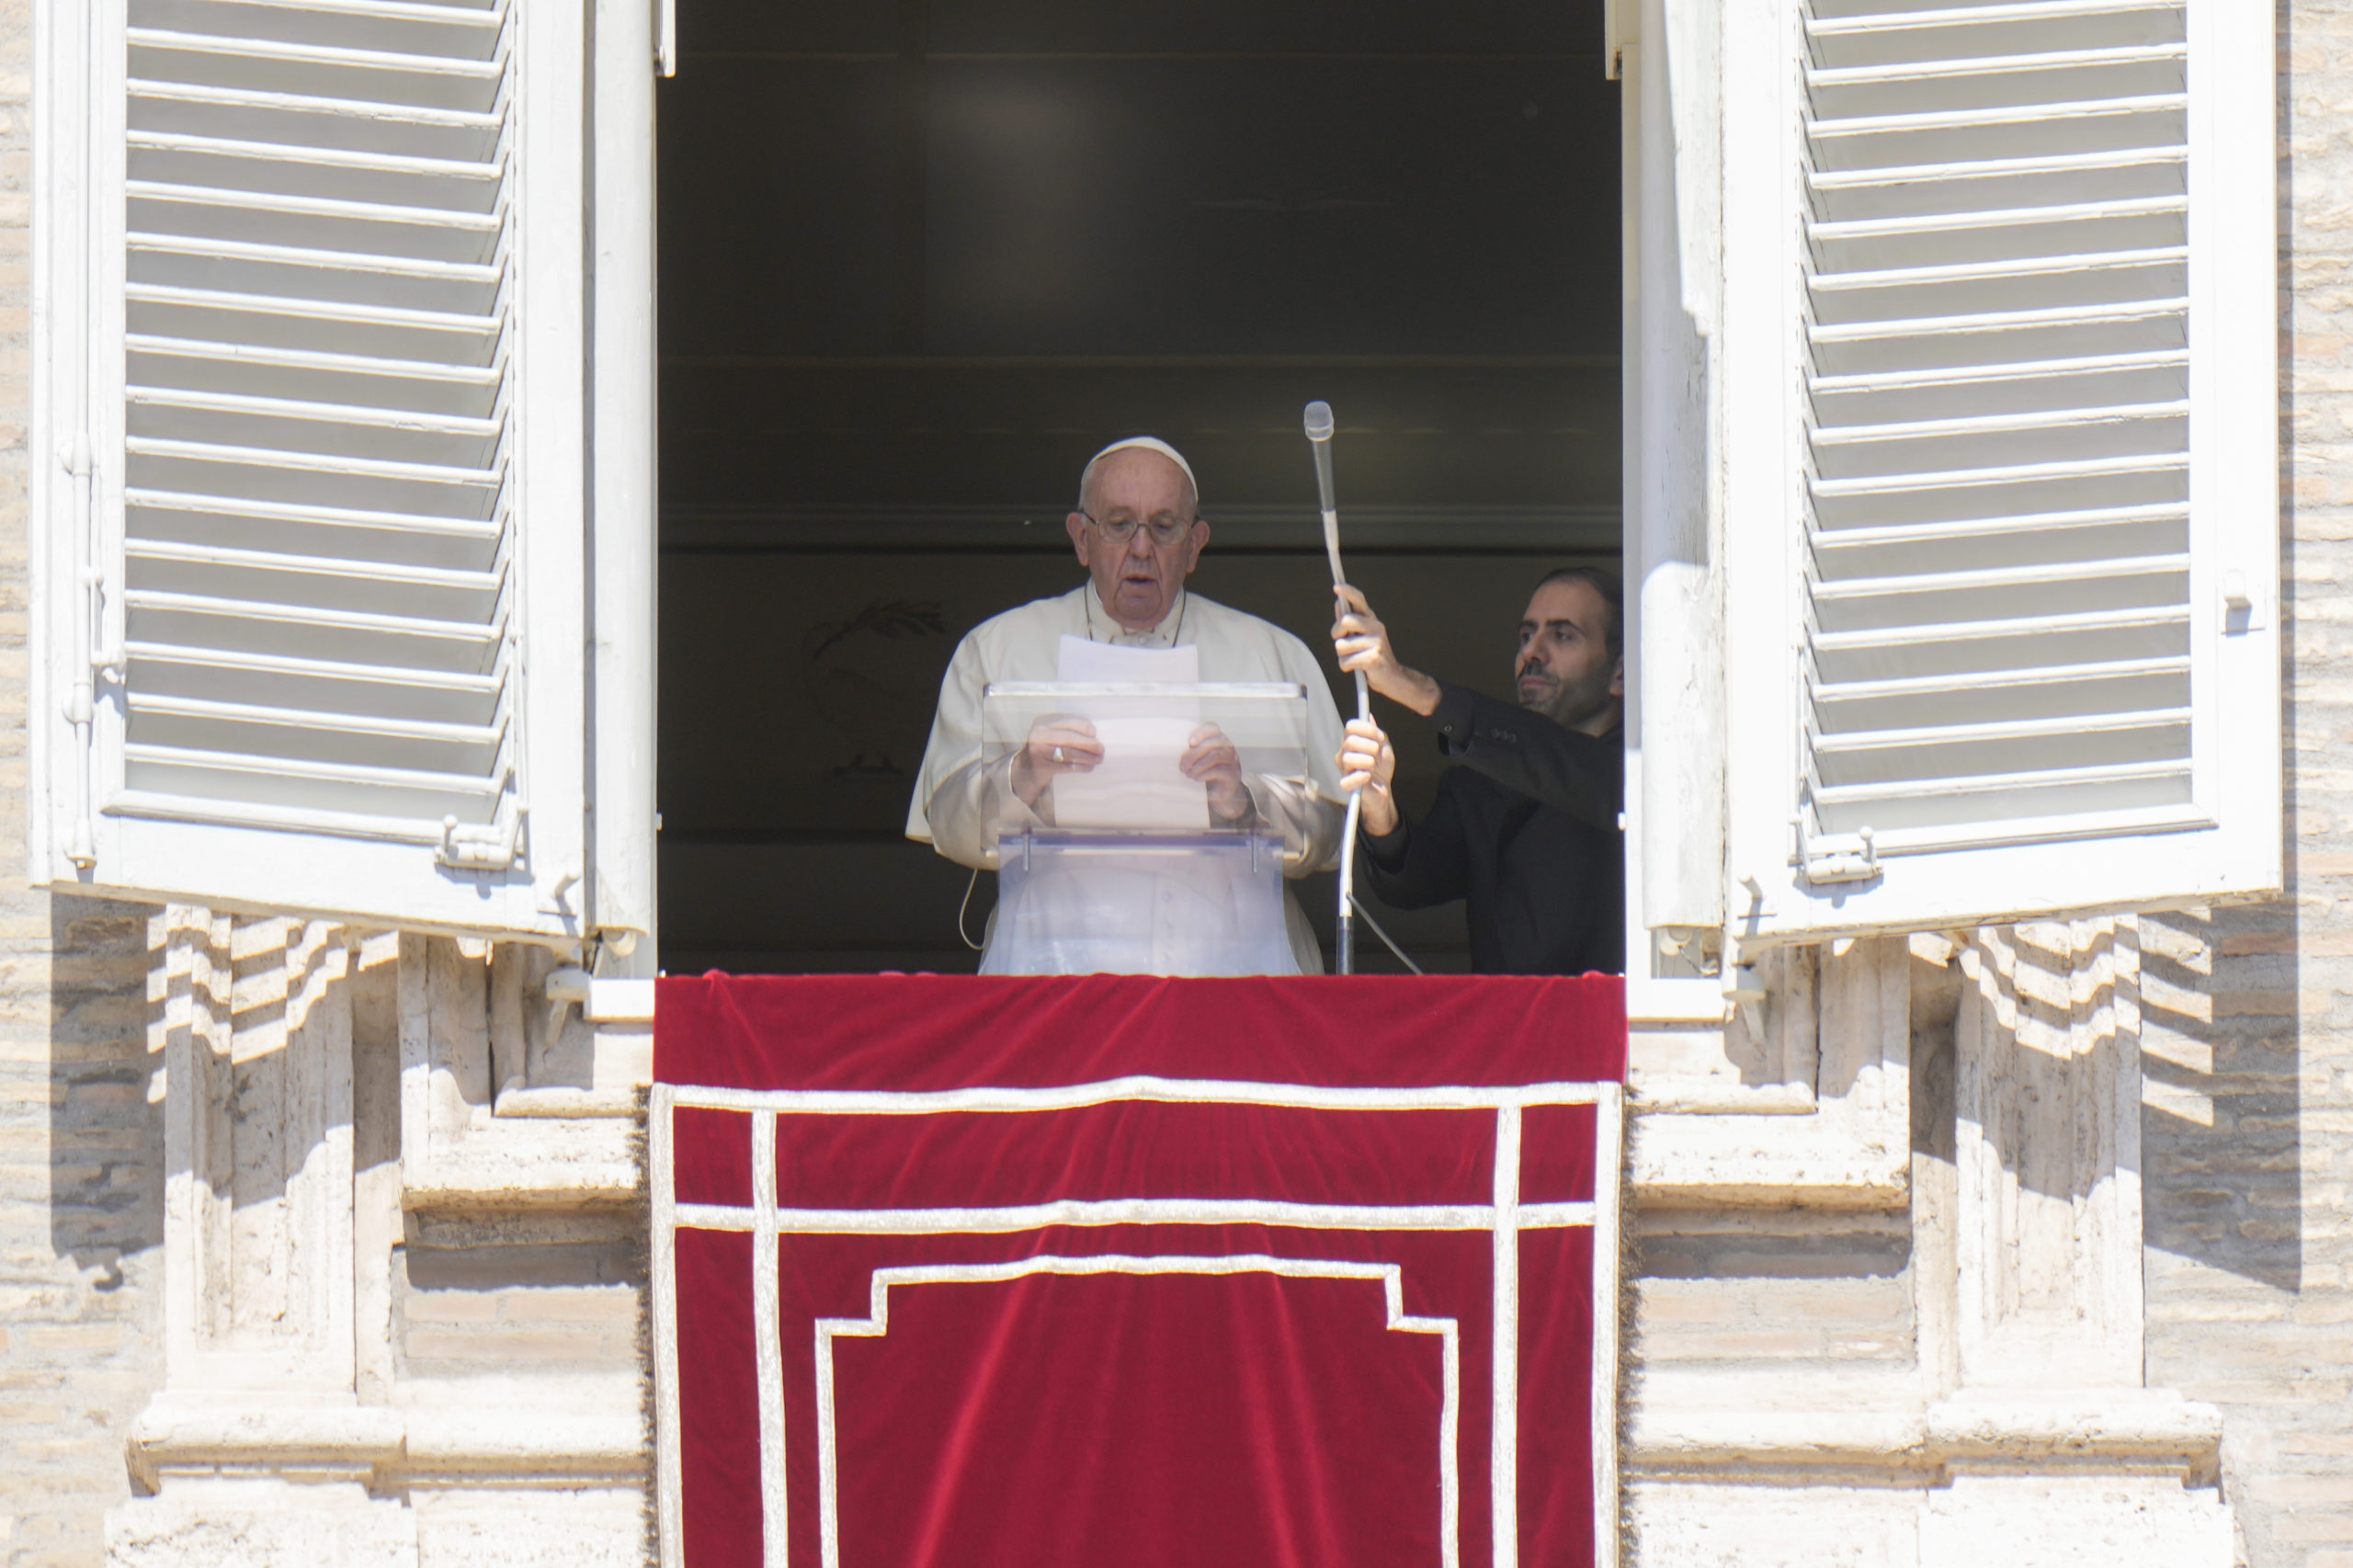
(1162, 1272)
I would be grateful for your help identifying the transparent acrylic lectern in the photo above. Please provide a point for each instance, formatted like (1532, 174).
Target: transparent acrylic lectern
(1123, 869)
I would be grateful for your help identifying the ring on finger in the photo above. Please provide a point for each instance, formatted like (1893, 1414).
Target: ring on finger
(1058, 754)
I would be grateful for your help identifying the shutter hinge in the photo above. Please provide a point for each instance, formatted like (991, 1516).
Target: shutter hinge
(1844, 859)
(492, 847)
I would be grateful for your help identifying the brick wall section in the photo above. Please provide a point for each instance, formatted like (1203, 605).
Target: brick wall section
(81, 1140)
(80, 1206)
(2248, 1048)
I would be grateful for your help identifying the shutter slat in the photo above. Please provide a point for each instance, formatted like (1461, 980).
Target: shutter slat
(1905, 745)
(198, 707)
(458, 14)
(227, 356)
(350, 382)
(363, 272)
(2066, 575)
(1932, 16)
(406, 826)
(2004, 422)
(2026, 114)
(2046, 266)
(2014, 801)
(248, 47)
(221, 106)
(1823, 76)
(264, 784)
(408, 746)
(443, 222)
(231, 321)
(1896, 484)
(1993, 377)
(233, 150)
(2035, 523)
(366, 688)
(230, 611)
(272, 457)
(1910, 224)
(200, 510)
(374, 419)
(365, 313)
(1871, 179)
(1942, 327)
(1858, 705)
(2023, 626)
(339, 579)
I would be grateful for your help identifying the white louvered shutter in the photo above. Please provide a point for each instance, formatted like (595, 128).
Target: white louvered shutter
(2008, 641)
(326, 558)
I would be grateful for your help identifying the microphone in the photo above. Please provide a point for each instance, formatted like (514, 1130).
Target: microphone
(1319, 431)
(1319, 435)
(1344, 945)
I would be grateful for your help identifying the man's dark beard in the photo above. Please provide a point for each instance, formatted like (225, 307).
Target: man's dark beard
(1572, 704)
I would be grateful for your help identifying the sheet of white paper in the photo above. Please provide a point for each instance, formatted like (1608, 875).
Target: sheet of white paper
(1139, 783)
(1083, 659)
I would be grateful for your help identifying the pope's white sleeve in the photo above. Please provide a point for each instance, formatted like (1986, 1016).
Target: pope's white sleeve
(962, 802)
(1310, 814)
(1310, 823)
(970, 810)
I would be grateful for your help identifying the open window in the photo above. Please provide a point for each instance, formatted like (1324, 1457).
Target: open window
(313, 512)
(917, 264)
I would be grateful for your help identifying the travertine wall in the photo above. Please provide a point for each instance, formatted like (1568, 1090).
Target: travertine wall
(2248, 1054)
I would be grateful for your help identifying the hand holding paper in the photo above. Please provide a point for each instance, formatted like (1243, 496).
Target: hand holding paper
(1059, 742)
(1210, 759)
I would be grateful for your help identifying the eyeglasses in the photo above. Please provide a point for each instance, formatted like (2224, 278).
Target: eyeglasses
(1164, 531)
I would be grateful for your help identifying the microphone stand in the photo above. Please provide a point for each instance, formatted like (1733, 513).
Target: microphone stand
(1319, 434)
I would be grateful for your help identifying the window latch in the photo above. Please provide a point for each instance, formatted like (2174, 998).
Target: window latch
(492, 848)
(1838, 859)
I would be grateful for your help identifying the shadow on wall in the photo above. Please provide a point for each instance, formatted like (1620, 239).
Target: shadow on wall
(2221, 1153)
(106, 1123)
(2219, 1098)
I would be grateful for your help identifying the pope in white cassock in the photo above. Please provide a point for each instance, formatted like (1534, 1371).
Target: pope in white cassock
(1137, 531)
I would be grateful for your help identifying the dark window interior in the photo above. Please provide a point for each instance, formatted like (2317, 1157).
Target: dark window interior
(919, 260)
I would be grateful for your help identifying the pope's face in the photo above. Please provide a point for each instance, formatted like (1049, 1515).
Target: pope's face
(1136, 579)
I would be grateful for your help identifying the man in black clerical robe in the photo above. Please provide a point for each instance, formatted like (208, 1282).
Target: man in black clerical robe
(1526, 830)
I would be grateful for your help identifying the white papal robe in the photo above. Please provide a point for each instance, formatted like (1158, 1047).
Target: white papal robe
(960, 806)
